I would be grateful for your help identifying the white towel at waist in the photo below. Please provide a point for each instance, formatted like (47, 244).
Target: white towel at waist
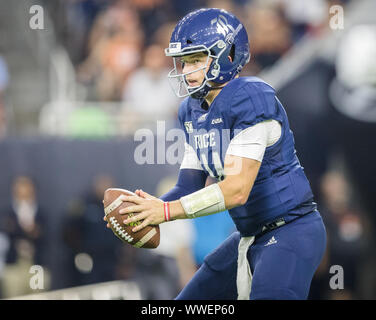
(244, 274)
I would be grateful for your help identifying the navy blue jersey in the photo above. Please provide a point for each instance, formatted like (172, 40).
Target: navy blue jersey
(281, 186)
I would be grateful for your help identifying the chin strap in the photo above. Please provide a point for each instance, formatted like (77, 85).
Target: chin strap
(201, 94)
(216, 88)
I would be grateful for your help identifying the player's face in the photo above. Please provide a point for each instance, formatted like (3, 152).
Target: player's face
(197, 61)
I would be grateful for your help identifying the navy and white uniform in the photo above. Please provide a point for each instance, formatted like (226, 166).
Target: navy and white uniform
(280, 217)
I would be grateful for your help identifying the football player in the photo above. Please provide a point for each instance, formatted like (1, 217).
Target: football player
(237, 131)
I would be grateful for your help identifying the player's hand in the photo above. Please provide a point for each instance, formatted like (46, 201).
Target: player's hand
(149, 208)
(145, 195)
(105, 219)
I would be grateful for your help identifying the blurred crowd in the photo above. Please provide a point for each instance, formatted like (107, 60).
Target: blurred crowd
(92, 254)
(123, 55)
(117, 49)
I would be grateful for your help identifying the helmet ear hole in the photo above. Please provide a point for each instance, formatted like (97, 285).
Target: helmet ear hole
(232, 53)
(189, 41)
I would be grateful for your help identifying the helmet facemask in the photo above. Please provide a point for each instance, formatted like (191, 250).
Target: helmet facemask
(177, 78)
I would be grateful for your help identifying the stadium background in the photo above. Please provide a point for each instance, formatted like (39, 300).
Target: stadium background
(73, 94)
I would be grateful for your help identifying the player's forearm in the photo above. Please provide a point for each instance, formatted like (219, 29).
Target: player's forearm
(235, 192)
(237, 185)
(209, 200)
(177, 210)
(232, 192)
(206, 201)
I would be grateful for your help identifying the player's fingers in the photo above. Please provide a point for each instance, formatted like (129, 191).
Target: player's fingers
(105, 219)
(131, 209)
(134, 199)
(146, 195)
(144, 223)
(143, 194)
(136, 218)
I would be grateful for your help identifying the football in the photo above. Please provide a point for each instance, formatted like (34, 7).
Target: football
(148, 237)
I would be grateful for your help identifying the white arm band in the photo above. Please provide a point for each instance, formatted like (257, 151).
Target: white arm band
(252, 141)
(203, 202)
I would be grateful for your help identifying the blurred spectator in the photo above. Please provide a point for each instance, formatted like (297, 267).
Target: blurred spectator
(80, 16)
(229, 6)
(73, 20)
(348, 233)
(269, 36)
(162, 37)
(114, 47)
(24, 220)
(93, 250)
(353, 91)
(352, 95)
(305, 16)
(148, 93)
(153, 13)
(17, 276)
(24, 224)
(4, 81)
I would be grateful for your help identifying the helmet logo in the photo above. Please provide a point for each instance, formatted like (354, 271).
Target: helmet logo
(222, 25)
(231, 36)
(226, 29)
